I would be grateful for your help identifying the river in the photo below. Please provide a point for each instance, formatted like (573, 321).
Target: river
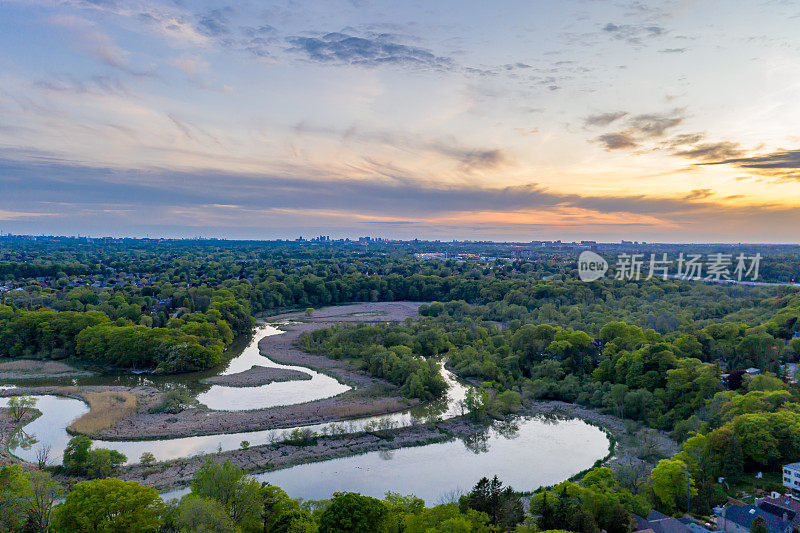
(526, 453)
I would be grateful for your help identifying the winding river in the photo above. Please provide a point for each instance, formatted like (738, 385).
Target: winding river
(526, 453)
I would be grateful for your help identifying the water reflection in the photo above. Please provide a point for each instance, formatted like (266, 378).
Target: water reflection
(540, 453)
(22, 439)
(223, 398)
(386, 455)
(509, 429)
(244, 354)
(477, 443)
(509, 449)
(49, 429)
(166, 449)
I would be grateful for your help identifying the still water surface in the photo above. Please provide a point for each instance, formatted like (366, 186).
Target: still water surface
(525, 453)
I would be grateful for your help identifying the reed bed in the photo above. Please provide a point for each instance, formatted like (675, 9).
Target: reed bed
(105, 409)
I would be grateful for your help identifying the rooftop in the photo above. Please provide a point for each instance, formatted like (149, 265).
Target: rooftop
(744, 515)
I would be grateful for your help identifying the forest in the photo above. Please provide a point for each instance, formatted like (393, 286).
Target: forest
(709, 364)
(223, 498)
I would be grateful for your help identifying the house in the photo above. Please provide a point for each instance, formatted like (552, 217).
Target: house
(782, 506)
(739, 518)
(791, 478)
(660, 523)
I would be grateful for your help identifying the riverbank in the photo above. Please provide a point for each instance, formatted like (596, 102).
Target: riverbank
(268, 457)
(369, 397)
(283, 348)
(29, 369)
(637, 449)
(256, 377)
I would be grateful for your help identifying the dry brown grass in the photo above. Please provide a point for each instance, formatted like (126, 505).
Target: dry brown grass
(105, 410)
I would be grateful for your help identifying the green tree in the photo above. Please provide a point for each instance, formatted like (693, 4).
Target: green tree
(19, 406)
(76, 454)
(671, 483)
(201, 515)
(276, 504)
(147, 459)
(44, 491)
(239, 495)
(759, 525)
(445, 519)
(349, 512)
(14, 492)
(102, 462)
(108, 506)
(502, 505)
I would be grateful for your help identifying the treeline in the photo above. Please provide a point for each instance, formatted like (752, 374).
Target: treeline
(674, 382)
(400, 357)
(224, 499)
(274, 276)
(190, 340)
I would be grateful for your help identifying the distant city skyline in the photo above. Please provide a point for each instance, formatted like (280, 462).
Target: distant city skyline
(666, 121)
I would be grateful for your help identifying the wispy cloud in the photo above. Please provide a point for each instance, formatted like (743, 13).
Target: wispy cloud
(468, 158)
(617, 141)
(633, 33)
(86, 37)
(783, 165)
(604, 119)
(638, 128)
(215, 22)
(712, 151)
(367, 51)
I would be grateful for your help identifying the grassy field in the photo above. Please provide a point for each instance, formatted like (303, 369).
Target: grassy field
(105, 410)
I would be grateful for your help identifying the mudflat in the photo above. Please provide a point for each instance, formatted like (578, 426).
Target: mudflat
(21, 369)
(257, 376)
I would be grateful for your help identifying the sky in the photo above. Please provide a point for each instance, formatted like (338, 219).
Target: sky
(670, 121)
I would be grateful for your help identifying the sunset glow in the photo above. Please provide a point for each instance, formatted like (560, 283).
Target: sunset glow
(662, 121)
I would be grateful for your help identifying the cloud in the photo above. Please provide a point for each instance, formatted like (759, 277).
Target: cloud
(214, 23)
(712, 151)
(604, 119)
(190, 65)
(684, 139)
(468, 158)
(655, 124)
(617, 141)
(633, 33)
(87, 38)
(66, 83)
(391, 194)
(368, 51)
(673, 50)
(260, 40)
(16, 215)
(639, 128)
(484, 159)
(101, 200)
(699, 194)
(783, 165)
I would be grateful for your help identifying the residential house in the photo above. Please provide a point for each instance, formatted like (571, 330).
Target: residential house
(791, 478)
(739, 518)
